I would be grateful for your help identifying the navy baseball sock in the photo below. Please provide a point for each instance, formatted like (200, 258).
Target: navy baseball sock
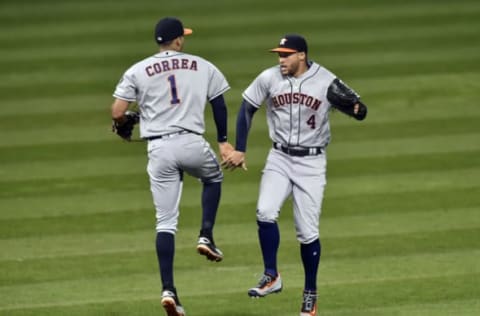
(210, 200)
(269, 237)
(165, 252)
(311, 259)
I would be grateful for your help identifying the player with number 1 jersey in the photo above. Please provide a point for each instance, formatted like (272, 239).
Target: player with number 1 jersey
(171, 89)
(162, 86)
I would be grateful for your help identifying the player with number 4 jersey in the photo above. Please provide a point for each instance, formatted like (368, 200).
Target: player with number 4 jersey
(299, 95)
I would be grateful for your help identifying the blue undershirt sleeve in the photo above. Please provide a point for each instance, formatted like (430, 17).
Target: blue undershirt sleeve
(244, 120)
(220, 117)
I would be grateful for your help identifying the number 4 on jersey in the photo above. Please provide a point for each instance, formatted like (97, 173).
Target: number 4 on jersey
(311, 121)
(173, 90)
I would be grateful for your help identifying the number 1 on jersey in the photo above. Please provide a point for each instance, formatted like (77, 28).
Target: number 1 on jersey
(173, 90)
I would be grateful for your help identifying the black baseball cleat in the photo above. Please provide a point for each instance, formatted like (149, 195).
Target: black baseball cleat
(268, 284)
(171, 304)
(309, 304)
(207, 248)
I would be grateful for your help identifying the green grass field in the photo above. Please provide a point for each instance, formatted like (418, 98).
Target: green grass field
(401, 217)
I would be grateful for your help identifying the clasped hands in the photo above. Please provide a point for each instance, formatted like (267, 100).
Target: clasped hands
(231, 158)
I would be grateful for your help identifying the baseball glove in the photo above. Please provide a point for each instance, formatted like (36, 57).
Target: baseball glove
(343, 98)
(125, 129)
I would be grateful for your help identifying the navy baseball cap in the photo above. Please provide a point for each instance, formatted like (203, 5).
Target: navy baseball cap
(291, 43)
(168, 29)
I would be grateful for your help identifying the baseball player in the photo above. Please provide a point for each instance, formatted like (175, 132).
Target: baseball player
(299, 95)
(171, 89)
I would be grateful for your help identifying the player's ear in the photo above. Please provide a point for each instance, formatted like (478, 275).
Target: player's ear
(302, 56)
(179, 42)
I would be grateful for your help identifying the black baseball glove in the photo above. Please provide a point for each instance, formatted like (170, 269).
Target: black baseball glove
(343, 98)
(125, 129)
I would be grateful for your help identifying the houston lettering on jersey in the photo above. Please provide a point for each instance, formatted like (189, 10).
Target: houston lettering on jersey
(296, 98)
(171, 64)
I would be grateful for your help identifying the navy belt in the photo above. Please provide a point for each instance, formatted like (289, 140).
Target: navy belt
(167, 135)
(299, 152)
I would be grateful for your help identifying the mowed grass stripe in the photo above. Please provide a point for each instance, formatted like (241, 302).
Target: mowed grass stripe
(461, 177)
(139, 219)
(75, 151)
(354, 71)
(106, 236)
(366, 18)
(341, 125)
(80, 204)
(421, 87)
(83, 104)
(399, 292)
(236, 201)
(467, 307)
(370, 146)
(336, 205)
(372, 12)
(282, 305)
(140, 215)
(390, 291)
(27, 36)
(387, 130)
(103, 265)
(67, 165)
(68, 65)
(62, 11)
(344, 133)
(407, 182)
(97, 117)
(141, 257)
(391, 148)
(346, 167)
(420, 94)
(384, 66)
(393, 244)
(73, 84)
(426, 36)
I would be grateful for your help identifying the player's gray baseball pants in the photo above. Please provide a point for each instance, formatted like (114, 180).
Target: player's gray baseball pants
(302, 177)
(168, 158)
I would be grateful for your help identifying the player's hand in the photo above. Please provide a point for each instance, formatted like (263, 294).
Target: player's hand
(225, 150)
(234, 160)
(356, 108)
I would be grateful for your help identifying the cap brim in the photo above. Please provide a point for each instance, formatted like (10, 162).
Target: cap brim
(283, 50)
(187, 31)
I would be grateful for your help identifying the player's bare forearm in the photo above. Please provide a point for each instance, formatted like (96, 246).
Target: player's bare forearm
(124, 121)
(119, 107)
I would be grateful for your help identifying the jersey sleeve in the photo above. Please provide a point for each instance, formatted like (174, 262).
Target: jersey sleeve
(257, 91)
(217, 85)
(126, 88)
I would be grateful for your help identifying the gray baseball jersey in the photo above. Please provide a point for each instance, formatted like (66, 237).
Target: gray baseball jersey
(297, 108)
(171, 89)
(298, 116)
(166, 104)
